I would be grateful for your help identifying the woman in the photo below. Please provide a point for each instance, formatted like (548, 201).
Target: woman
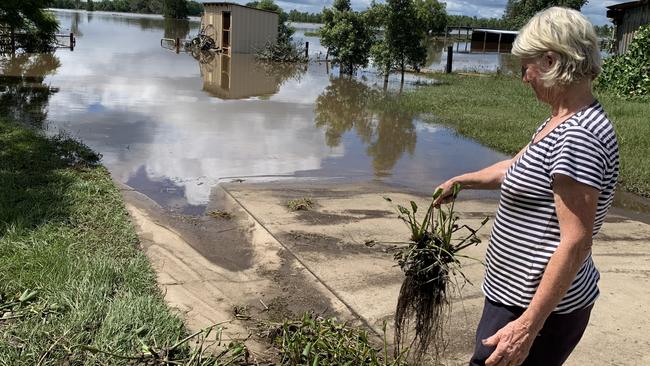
(540, 282)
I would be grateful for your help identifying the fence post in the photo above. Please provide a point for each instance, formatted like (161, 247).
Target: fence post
(450, 58)
(307, 50)
(178, 45)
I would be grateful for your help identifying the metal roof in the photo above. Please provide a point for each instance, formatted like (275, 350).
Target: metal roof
(628, 5)
(223, 3)
(495, 31)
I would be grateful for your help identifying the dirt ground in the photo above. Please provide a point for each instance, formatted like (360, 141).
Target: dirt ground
(250, 251)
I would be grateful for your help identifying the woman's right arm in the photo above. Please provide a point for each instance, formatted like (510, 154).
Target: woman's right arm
(486, 178)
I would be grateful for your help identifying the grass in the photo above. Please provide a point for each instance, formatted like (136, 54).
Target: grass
(72, 277)
(312, 33)
(502, 113)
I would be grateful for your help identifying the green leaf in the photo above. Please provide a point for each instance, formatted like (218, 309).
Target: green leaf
(28, 295)
(437, 193)
(307, 350)
(414, 207)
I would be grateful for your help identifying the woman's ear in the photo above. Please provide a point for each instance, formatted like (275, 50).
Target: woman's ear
(549, 59)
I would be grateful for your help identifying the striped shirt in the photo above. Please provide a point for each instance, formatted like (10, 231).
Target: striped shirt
(526, 231)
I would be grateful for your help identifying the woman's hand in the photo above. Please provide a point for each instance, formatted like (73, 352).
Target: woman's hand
(512, 342)
(447, 192)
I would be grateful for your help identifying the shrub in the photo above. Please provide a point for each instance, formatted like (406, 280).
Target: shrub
(628, 75)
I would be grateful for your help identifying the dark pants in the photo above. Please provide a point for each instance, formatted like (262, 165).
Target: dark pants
(559, 336)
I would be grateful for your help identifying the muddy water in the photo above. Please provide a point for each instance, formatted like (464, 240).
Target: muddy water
(172, 126)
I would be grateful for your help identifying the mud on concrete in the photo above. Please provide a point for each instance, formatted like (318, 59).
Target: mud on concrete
(337, 260)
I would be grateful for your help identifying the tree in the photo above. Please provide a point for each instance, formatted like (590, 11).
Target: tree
(24, 95)
(518, 12)
(432, 14)
(347, 36)
(284, 49)
(90, 5)
(175, 9)
(382, 59)
(405, 35)
(342, 5)
(29, 26)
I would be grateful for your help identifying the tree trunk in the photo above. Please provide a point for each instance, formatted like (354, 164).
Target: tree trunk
(386, 80)
(13, 41)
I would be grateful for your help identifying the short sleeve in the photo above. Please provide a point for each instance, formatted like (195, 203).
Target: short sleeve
(579, 155)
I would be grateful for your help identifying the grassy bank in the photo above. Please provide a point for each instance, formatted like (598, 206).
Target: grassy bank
(502, 113)
(67, 245)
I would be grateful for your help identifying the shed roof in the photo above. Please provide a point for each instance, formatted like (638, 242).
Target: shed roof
(225, 3)
(616, 11)
(628, 5)
(497, 31)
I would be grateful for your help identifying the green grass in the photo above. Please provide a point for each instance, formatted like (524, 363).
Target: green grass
(64, 233)
(312, 33)
(502, 113)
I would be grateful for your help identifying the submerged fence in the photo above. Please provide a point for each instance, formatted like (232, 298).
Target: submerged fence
(10, 40)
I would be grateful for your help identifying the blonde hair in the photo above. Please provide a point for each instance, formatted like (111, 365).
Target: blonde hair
(568, 34)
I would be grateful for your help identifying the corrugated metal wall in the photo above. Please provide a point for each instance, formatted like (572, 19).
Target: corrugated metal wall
(632, 20)
(250, 29)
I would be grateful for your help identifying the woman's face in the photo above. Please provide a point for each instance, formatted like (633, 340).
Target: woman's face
(531, 73)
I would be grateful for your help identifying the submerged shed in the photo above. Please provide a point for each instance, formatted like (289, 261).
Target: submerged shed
(238, 28)
(492, 40)
(628, 17)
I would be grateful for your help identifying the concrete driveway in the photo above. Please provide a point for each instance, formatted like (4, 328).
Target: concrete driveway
(336, 259)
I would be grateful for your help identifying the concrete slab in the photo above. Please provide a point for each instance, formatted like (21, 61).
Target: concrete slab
(330, 241)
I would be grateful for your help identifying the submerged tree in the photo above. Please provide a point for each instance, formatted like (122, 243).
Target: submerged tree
(405, 35)
(347, 36)
(29, 26)
(432, 15)
(283, 49)
(175, 9)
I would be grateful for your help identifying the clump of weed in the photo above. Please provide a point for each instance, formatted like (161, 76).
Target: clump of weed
(26, 304)
(314, 340)
(301, 204)
(220, 214)
(208, 349)
(430, 262)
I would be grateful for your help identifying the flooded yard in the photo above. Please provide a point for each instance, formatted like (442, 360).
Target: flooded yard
(216, 147)
(173, 126)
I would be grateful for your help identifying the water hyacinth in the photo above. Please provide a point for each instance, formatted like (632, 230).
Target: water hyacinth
(430, 262)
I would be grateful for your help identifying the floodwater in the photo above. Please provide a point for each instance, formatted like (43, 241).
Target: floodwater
(172, 126)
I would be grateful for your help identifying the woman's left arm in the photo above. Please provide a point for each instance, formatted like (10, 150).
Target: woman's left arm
(575, 205)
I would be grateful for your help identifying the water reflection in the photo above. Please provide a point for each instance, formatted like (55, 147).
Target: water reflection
(176, 28)
(347, 105)
(241, 76)
(23, 94)
(172, 127)
(470, 57)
